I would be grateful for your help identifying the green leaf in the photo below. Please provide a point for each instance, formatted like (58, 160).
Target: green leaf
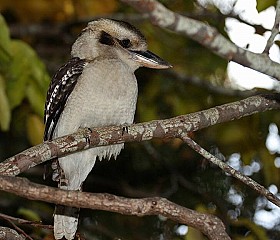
(264, 4)
(29, 214)
(23, 68)
(18, 74)
(4, 42)
(26, 69)
(5, 112)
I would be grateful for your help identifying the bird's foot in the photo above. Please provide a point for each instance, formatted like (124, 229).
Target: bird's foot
(86, 134)
(89, 129)
(124, 129)
(55, 167)
(87, 137)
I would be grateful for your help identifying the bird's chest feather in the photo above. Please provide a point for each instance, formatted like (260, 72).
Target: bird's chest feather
(105, 94)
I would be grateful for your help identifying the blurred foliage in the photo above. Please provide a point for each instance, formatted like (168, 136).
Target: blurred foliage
(264, 4)
(165, 167)
(24, 81)
(41, 10)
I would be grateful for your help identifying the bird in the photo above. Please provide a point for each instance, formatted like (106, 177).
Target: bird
(96, 87)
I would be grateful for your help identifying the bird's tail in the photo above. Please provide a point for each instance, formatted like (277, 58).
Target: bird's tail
(65, 218)
(65, 222)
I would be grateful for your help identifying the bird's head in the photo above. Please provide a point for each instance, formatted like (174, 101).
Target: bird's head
(106, 38)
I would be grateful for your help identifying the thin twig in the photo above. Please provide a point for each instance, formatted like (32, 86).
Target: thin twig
(274, 30)
(19, 230)
(27, 222)
(228, 169)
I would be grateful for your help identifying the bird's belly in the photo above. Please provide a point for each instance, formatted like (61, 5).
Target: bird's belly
(77, 166)
(107, 112)
(107, 100)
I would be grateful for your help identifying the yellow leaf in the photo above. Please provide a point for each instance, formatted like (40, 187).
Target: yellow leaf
(5, 111)
(35, 129)
(29, 214)
(4, 42)
(255, 230)
(194, 234)
(270, 172)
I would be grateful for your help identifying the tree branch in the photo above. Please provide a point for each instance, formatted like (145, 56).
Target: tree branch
(210, 225)
(274, 30)
(88, 138)
(205, 35)
(24, 222)
(19, 230)
(9, 234)
(228, 169)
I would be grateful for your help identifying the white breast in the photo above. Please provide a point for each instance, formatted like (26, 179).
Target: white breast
(105, 94)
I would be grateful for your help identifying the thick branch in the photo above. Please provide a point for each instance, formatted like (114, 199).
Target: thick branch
(172, 127)
(210, 225)
(205, 35)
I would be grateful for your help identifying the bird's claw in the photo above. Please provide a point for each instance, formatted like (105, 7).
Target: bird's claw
(124, 129)
(87, 137)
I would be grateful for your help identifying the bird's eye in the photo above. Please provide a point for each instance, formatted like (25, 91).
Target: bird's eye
(125, 43)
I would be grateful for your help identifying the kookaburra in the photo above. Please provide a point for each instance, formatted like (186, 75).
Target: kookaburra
(96, 87)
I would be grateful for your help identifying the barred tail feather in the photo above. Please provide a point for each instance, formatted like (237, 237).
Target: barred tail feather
(65, 218)
(65, 222)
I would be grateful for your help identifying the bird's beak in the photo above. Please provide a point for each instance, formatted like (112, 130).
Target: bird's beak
(149, 60)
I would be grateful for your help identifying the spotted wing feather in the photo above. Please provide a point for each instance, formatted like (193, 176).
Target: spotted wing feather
(62, 84)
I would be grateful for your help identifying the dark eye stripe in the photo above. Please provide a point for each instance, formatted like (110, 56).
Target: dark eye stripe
(106, 38)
